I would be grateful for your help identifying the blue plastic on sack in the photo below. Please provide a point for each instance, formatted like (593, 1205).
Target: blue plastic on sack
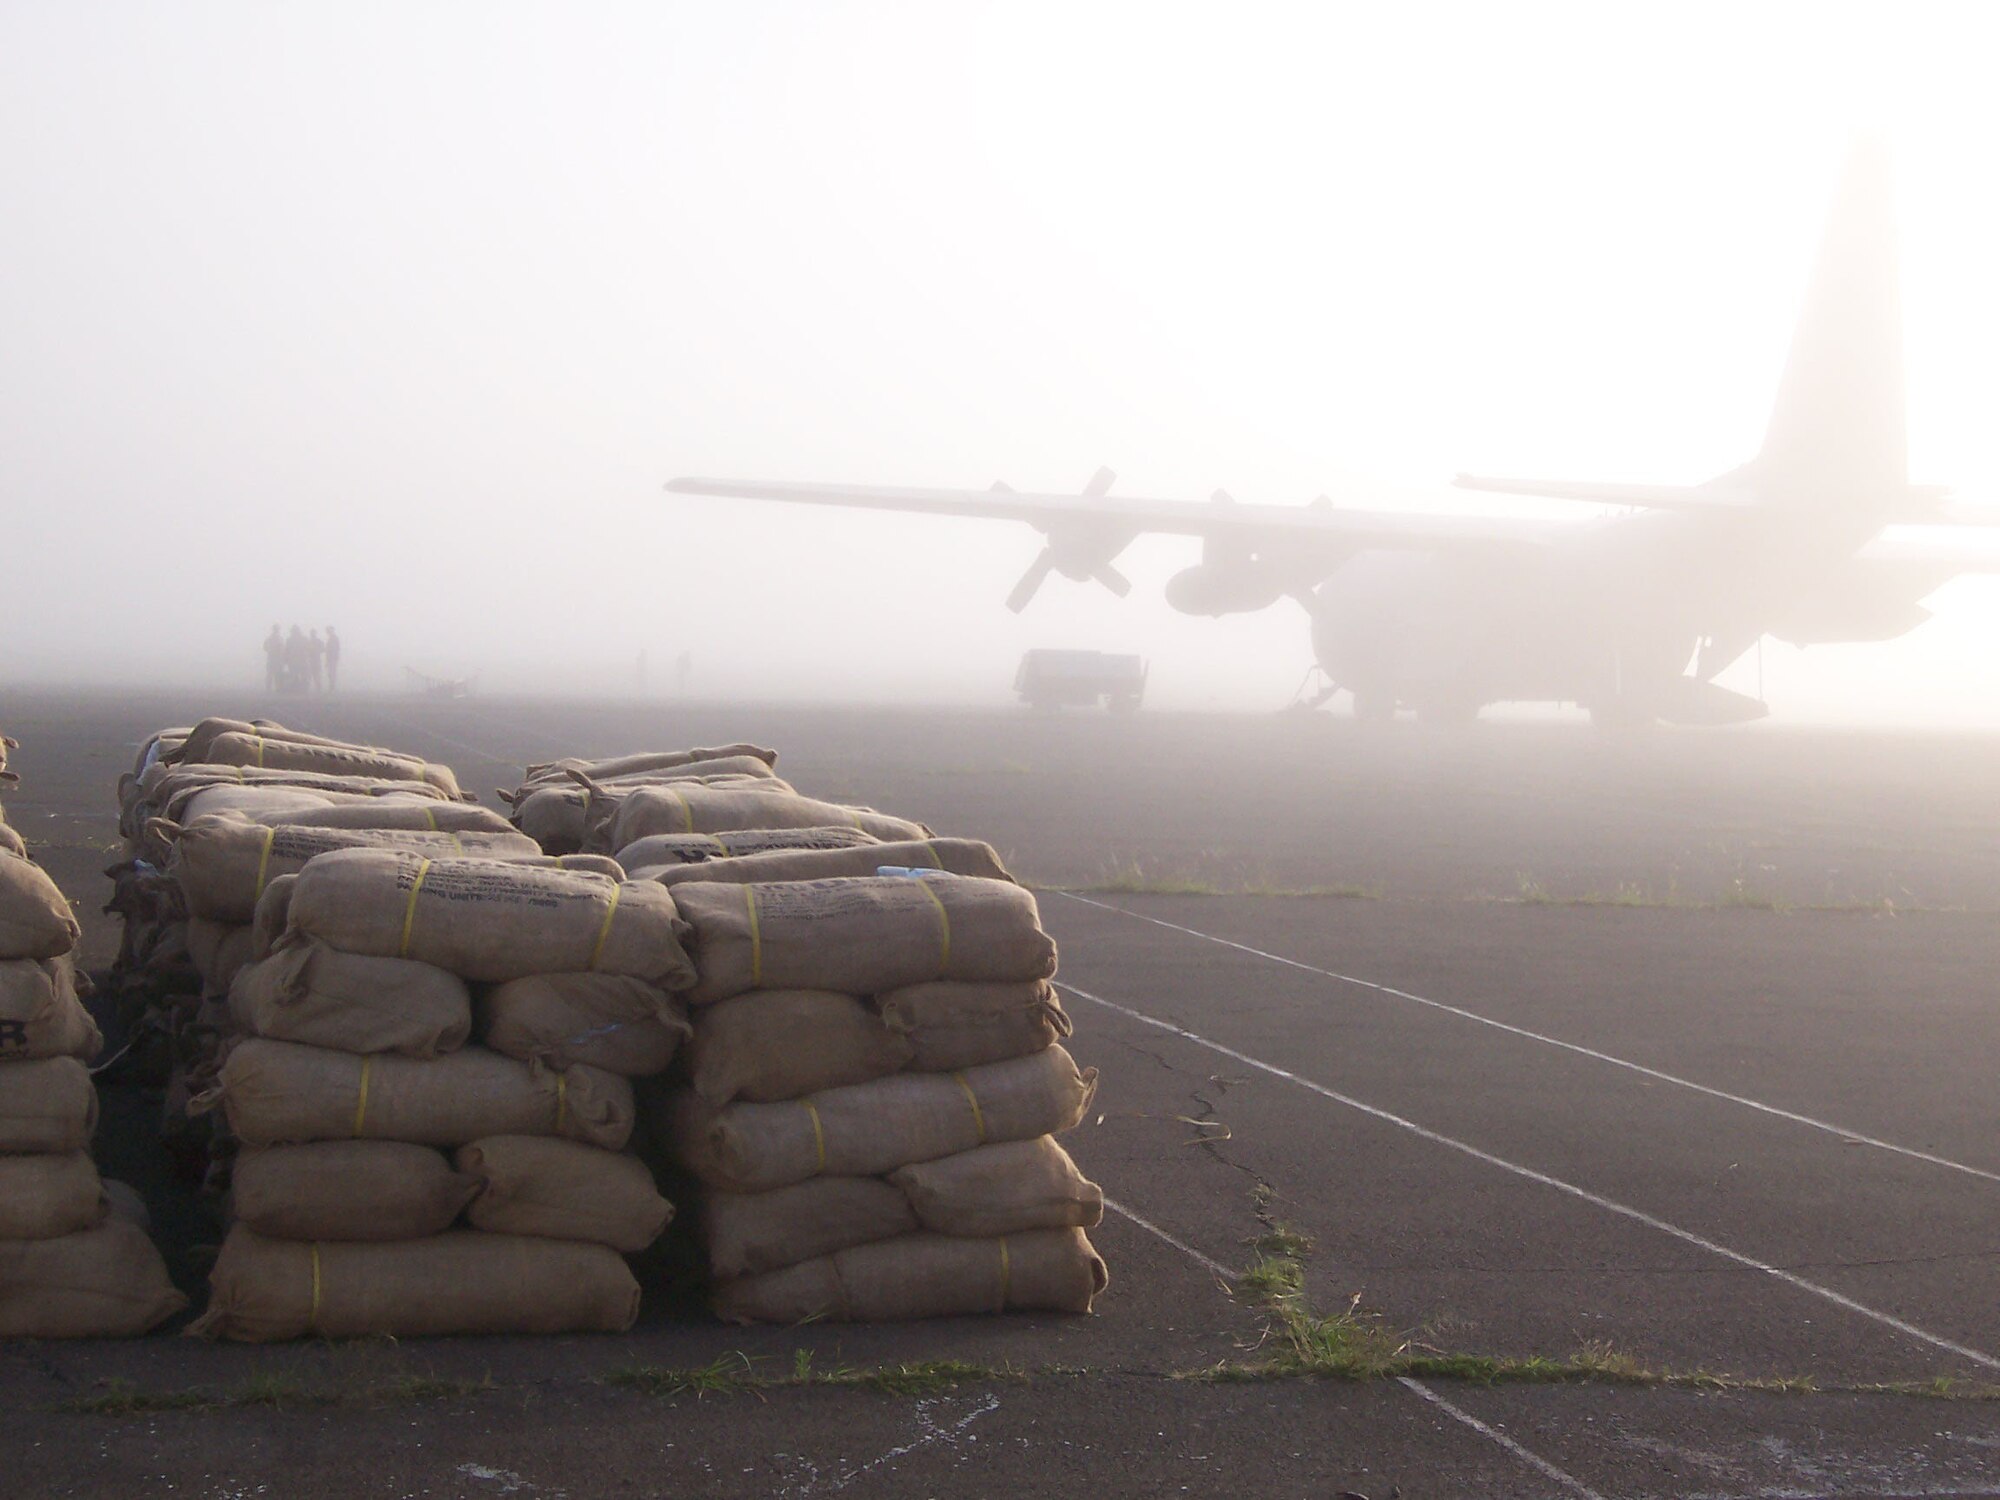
(912, 873)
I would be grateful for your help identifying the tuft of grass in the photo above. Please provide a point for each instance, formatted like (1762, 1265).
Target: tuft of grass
(727, 1373)
(1531, 892)
(1741, 895)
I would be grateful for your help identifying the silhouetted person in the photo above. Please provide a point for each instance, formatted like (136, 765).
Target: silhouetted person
(332, 659)
(316, 658)
(274, 660)
(298, 661)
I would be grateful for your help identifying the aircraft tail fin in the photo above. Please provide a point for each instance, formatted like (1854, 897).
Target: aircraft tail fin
(1836, 437)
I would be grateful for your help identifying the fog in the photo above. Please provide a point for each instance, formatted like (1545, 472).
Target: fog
(397, 317)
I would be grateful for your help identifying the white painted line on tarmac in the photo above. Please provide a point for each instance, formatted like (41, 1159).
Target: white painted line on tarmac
(1596, 1200)
(1181, 1245)
(1552, 1041)
(1533, 1460)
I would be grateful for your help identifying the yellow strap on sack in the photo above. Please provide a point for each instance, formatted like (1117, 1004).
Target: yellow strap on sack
(1006, 1275)
(264, 861)
(312, 1312)
(756, 936)
(242, 779)
(931, 849)
(361, 1098)
(720, 844)
(456, 842)
(410, 910)
(944, 926)
(562, 1099)
(819, 1136)
(431, 817)
(687, 813)
(978, 1116)
(610, 910)
(258, 741)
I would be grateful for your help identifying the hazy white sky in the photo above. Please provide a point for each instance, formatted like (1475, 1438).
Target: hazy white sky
(397, 315)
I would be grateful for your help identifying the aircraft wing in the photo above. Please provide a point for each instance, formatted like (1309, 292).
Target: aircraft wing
(1128, 516)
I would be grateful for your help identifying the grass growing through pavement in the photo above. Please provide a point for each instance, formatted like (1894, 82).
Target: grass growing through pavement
(738, 1372)
(1739, 894)
(276, 1391)
(1299, 1341)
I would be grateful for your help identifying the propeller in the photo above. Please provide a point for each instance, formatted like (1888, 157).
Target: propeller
(1083, 550)
(1032, 580)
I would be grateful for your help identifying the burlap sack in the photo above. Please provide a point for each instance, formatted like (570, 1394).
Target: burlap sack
(696, 848)
(482, 919)
(609, 1021)
(569, 815)
(278, 1092)
(461, 1281)
(218, 949)
(258, 803)
(35, 920)
(592, 864)
(690, 808)
(876, 1127)
(1003, 1189)
(11, 841)
(48, 1105)
(167, 788)
(925, 1276)
(223, 863)
(951, 1025)
(348, 1190)
(560, 1190)
(648, 760)
(274, 912)
(955, 856)
(103, 1282)
(747, 1234)
(254, 749)
(784, 1044)
(397, 812)
(860, 936)
(194, 744)
(308, 992)
(45, 1195)
(40, 1015)
(126, 1204)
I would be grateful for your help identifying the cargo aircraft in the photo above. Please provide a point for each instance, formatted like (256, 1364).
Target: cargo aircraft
(1630, 611)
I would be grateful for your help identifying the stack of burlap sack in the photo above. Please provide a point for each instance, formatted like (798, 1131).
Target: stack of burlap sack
(370, 1124)
(185, 938)
(873, 1085)
(75, 1260)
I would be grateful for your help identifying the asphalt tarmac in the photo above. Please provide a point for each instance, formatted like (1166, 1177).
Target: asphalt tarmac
(1671, 1049)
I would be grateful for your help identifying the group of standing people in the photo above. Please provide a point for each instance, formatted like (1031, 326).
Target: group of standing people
(301, 662)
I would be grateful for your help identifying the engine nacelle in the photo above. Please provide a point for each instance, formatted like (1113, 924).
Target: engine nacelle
(1224, 588)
